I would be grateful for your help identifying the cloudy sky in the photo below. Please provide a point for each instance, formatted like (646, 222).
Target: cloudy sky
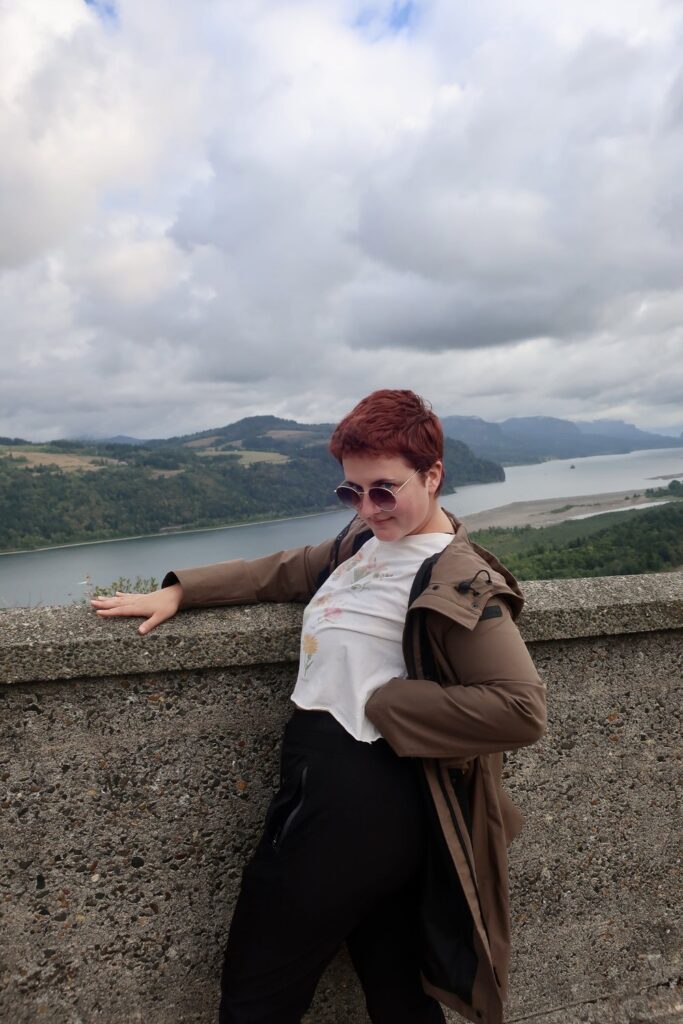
(215, 208)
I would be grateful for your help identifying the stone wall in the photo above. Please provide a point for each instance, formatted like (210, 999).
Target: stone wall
(134, 774)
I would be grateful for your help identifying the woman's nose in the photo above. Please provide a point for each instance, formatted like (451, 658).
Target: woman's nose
(366, 497)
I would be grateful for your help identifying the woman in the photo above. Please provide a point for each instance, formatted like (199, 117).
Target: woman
(390, 827)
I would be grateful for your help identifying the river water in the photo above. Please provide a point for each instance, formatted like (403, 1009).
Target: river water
(55, 576)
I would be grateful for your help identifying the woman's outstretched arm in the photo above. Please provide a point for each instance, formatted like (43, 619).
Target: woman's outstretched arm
(290, 575)
(284, 576)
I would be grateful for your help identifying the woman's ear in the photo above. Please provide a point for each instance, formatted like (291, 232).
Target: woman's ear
(434, 474)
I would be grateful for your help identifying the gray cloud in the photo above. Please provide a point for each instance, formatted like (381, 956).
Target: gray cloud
(407, 311)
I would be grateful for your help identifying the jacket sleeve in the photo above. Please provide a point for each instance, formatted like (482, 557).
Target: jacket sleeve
(284, 576)
(497, 703)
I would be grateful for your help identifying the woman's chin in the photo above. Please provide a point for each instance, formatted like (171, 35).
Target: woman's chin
(385, 529)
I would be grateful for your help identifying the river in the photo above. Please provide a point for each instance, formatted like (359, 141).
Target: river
(54, 576)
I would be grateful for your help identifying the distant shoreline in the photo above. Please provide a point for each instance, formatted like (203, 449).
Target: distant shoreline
(548, 511)
(170, 533)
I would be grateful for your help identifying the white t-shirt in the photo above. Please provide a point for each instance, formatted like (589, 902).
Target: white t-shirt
(353, 628)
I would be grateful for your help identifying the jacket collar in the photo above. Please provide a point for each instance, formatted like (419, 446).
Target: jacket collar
(463, 577)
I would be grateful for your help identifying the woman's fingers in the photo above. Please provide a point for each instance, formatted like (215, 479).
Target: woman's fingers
(151, 622)
(156, 607)
(120, 610)
(124, 604)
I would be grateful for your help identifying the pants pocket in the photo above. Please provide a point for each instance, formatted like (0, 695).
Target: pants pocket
(286, 806)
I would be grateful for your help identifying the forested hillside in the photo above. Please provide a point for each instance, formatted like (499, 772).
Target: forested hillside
(615, 544)
(261, 468)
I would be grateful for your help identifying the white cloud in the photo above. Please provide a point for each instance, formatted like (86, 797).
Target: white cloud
(213, 210)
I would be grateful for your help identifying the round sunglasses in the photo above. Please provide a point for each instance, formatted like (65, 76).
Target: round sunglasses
(383, 497)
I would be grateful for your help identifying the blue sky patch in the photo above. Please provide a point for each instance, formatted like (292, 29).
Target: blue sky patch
(106, 9)
(402, 15)
(377, 22)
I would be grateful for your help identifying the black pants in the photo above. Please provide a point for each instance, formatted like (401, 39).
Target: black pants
(338, 860)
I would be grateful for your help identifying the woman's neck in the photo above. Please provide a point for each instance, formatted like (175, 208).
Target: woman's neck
(437, 522)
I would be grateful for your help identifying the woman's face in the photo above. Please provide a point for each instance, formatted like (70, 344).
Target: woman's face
(417, 510)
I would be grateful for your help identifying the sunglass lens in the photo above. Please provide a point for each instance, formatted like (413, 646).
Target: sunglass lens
(382, 498)
(348, 496)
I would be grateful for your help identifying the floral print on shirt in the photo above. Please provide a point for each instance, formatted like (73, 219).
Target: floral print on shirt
(309, 648)
(361, 574)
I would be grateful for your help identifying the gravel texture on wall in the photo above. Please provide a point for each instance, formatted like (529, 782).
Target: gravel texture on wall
(135, 773)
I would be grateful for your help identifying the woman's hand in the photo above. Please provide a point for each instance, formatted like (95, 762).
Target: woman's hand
(155, 607)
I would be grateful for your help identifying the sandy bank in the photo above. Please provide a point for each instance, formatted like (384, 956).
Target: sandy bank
(540, 512)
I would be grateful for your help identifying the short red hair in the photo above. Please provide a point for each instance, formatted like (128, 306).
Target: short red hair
(391, 422)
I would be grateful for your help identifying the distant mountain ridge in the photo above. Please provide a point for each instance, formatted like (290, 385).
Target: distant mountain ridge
(525, 439)
(517, 438)
(248, 427)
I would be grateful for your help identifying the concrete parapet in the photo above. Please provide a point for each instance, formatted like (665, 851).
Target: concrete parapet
(135, 772)
(70, 642)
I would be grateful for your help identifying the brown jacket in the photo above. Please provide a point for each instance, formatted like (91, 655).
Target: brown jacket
(472, 693)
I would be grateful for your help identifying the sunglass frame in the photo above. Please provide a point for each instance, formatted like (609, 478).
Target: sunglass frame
(355, 499)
